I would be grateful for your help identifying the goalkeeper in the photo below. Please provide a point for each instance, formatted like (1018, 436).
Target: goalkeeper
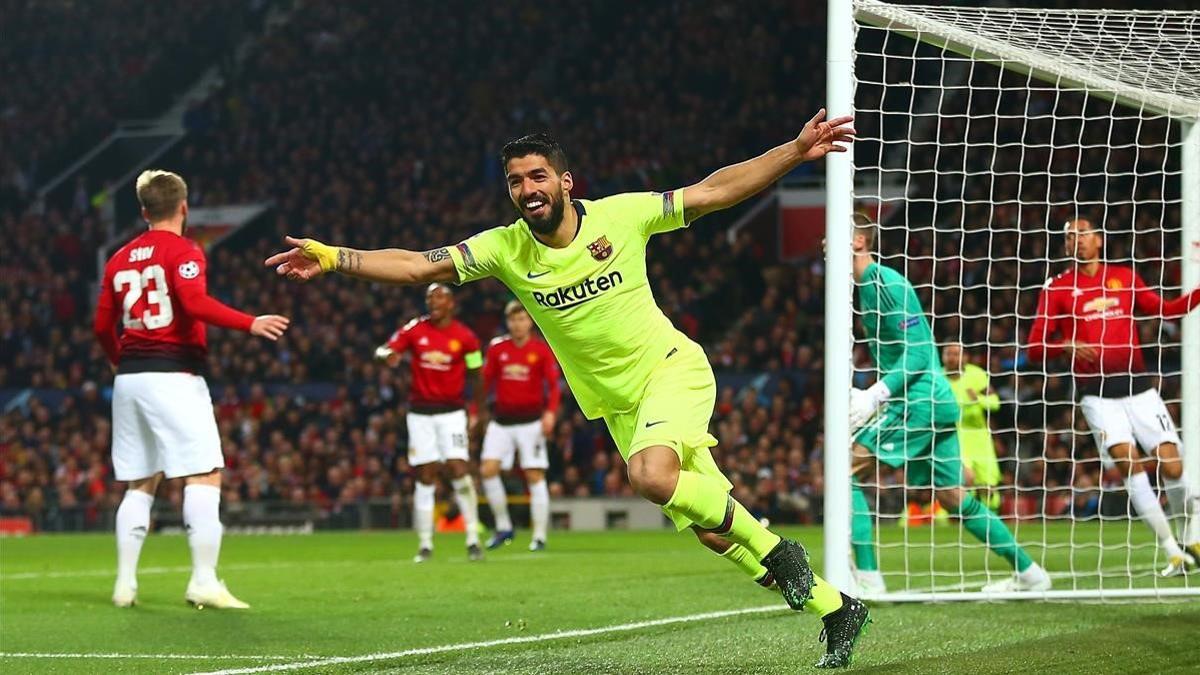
(917, 430)
(976, 399)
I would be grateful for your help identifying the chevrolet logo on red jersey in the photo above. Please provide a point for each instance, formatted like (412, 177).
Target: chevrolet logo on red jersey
(516, 371)
(600, 249)
(436, 358)
(1101, 304)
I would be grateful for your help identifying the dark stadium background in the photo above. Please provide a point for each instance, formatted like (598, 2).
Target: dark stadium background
(380, 124)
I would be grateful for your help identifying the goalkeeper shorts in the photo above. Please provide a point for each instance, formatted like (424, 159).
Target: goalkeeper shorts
(928, 453)
(674, 411)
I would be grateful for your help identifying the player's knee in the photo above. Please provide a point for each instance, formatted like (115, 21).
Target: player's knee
(147, 485)
(534, 476)
(653, 474)
(862, 463)
(1171, 469)
(212, 478)
(951, 499)
(428, 473)
(716, 543)
(1122, 453)
(457, 468)
(490, 469)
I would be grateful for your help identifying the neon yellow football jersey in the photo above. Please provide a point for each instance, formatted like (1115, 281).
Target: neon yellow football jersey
(591, 299)
(974, 435)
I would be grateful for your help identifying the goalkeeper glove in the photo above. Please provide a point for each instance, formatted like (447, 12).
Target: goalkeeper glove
(383, 352)
(864, 403)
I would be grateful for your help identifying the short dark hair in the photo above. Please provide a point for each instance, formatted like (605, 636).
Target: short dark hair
(535, 144)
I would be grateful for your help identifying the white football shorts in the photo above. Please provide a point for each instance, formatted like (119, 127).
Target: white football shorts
(163, 422)
(437, 438)
(1142, 420)
(503, 441)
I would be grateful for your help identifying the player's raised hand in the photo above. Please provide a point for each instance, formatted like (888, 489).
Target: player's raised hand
(821, 137)
(270, 326)
(306, 259)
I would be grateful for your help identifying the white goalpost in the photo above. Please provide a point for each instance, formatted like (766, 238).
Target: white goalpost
(998, 125)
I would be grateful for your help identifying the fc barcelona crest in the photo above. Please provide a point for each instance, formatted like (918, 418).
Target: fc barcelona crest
(600, 249)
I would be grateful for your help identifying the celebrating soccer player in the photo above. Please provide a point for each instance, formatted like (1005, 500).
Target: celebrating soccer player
(917, 428)
(1088, 314)
(973, 391)
(579, 267)
(443, 352)
(163, 423)
(522, 370)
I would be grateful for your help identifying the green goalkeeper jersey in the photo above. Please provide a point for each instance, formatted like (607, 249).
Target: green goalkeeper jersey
(592, 298)
(902, 347)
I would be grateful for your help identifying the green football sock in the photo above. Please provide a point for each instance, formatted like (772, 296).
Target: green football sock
(862, 539)
(749, 565)
(825, 598)
(988, 528)
(705, 502)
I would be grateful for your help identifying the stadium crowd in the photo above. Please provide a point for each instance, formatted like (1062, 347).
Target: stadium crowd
(342, 119)
(72, 70)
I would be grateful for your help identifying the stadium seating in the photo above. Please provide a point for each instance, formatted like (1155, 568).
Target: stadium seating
(72, 70)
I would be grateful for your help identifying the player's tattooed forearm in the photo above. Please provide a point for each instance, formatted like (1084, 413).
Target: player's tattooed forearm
(349, 261)
(437, 255)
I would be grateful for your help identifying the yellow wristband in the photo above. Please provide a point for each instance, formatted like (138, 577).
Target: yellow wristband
(324, 254)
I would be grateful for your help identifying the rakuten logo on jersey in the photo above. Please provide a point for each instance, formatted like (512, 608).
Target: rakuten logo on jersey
(571, 296)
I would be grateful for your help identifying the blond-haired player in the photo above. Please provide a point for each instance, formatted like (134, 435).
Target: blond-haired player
(155, 288)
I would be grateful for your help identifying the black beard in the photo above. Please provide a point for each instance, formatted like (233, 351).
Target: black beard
(546, 226)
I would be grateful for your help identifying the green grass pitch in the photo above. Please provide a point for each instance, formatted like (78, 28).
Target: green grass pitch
(357, 595)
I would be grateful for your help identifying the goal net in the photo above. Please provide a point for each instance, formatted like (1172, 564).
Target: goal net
(997, 127)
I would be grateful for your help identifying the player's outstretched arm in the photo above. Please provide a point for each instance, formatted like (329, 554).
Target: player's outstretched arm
(1149, 302)
(732, 184)
(309, 258)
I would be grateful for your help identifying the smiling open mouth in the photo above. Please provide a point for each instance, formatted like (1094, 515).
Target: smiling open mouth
(535, 205)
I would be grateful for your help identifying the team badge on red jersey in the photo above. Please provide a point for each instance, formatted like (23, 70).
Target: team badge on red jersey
(601, 249)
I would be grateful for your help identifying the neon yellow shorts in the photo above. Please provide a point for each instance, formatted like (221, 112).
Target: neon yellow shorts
(674, 411)
(979, 455)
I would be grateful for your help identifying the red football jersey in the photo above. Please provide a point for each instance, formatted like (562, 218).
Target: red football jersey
(156, 286)
(439, 361)
(525, 378)
(1100, 310)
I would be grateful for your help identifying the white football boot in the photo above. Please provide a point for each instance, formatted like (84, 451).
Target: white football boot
(1033, 580)
(1178, 565)
(124, 595)
(213, 595)
(870, 584)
